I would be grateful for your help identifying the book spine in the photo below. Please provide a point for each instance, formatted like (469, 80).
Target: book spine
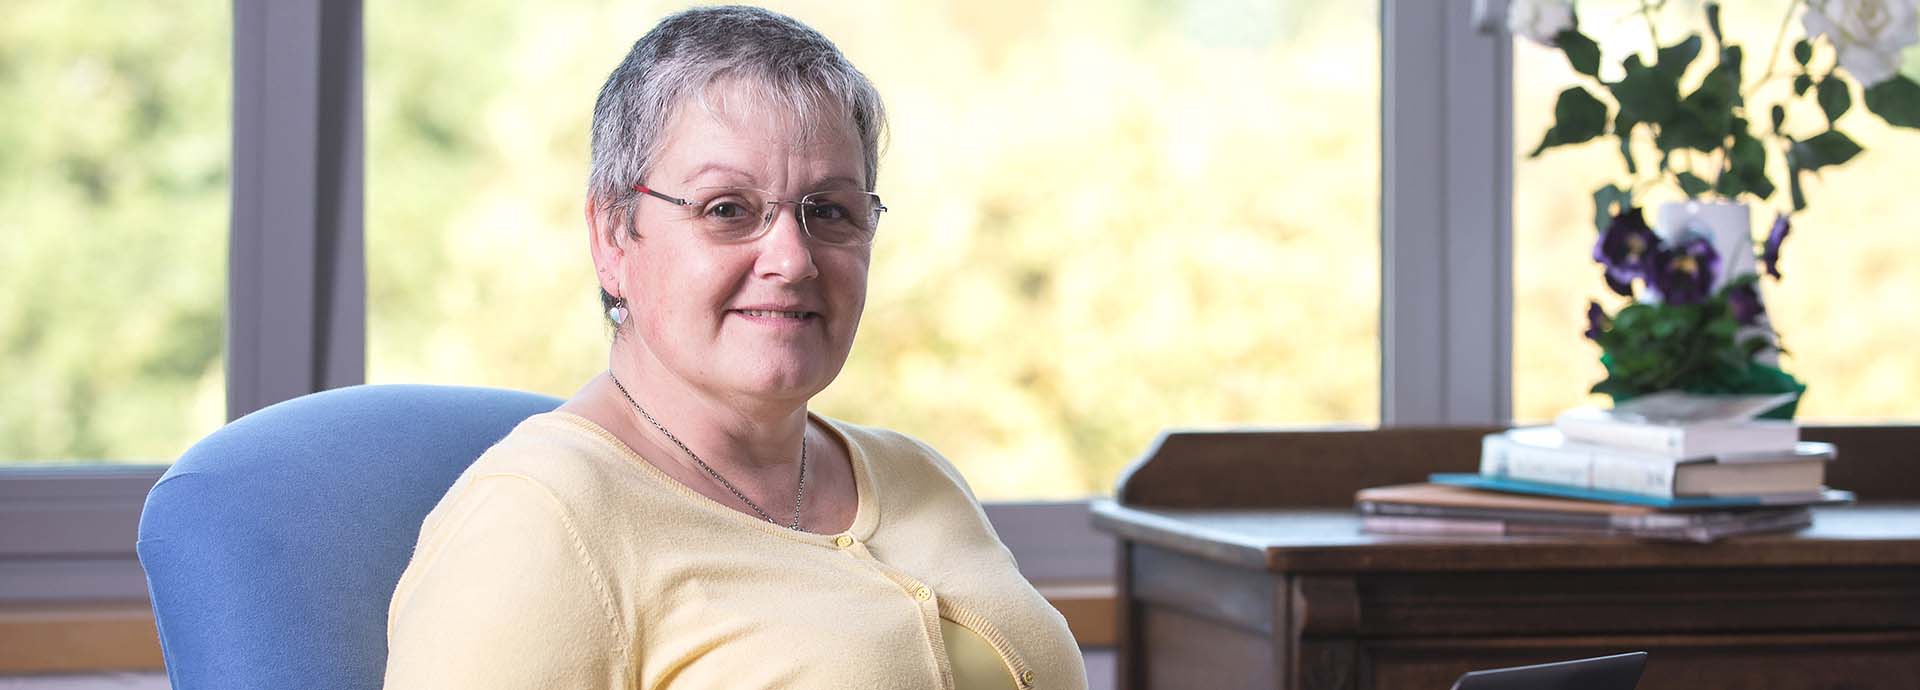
(1563, 466)
(1493, 455)
(1576, 466)
(1634, 475)
(1652, 438)
(1393, 524)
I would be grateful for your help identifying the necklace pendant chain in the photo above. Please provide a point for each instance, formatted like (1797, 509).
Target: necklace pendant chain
(798, 495)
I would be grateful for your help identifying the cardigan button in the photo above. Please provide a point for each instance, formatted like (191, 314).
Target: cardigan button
(843, 541)
(922, 593)
(1026, 679)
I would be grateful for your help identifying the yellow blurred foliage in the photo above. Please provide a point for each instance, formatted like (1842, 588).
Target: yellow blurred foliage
(1107, 218)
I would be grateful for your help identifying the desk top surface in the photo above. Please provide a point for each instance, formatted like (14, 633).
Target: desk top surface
(1330, 540)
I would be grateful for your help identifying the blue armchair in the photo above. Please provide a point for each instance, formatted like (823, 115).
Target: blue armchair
(273, 545)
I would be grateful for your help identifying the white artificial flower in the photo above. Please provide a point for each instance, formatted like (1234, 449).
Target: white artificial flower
(1539, 20)
(1868, 33)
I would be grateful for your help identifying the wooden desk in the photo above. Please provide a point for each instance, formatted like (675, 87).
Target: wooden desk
(1242, 566)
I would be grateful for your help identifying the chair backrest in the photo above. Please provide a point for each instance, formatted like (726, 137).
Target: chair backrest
(273, 545)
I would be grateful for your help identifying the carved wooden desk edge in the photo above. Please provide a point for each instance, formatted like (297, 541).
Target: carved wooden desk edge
(1275, 503)
(1310, 468)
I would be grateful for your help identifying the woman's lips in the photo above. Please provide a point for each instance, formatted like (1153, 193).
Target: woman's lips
(777, 317)
(775, 313)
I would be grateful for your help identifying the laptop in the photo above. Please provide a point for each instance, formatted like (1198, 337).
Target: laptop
(1616, 672)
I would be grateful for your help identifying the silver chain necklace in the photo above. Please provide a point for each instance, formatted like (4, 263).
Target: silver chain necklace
(797, 495)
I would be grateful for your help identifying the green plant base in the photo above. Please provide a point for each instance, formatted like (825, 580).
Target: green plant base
(1758, 379)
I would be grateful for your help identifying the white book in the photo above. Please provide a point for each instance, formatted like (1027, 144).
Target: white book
(1544, 454)
(1678, 439)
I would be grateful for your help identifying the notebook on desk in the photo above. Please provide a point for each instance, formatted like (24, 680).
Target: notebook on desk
(1616, 672)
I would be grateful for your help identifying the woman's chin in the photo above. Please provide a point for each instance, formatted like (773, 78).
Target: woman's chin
(784, 381)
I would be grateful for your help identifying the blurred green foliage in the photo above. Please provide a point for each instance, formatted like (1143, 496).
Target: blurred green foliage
(113, 227)
(1110, 218)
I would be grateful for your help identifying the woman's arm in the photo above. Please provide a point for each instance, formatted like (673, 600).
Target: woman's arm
(501, 593)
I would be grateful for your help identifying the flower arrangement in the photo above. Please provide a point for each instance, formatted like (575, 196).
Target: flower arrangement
(1694, 320)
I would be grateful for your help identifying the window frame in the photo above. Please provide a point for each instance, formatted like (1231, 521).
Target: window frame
(297, 298)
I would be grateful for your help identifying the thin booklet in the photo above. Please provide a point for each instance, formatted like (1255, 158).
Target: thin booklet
(1475, 481)
(1674, 407)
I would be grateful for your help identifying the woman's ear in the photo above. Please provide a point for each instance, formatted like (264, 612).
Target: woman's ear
(608, 242)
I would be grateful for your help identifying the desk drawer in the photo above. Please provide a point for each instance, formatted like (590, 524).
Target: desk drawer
(1606, 602)
(1849, 661)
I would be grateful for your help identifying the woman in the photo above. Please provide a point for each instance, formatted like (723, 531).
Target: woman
(683, 521)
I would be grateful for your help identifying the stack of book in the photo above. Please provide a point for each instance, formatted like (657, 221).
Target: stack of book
(1669, 466)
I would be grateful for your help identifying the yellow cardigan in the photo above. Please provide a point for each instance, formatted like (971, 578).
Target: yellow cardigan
(561, 559)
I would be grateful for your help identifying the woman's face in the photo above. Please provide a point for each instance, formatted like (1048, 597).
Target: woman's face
(769, 319)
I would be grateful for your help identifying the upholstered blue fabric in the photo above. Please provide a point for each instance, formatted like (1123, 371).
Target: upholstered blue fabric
(272, 546)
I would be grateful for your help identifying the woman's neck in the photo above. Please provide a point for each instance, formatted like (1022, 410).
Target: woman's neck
(747, 433)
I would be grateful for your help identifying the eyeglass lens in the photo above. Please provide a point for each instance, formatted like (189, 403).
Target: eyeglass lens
(834, 217)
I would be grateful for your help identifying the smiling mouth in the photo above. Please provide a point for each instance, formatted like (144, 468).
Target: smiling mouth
(772, 314)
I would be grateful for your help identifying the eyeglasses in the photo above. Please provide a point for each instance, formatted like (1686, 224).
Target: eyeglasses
(742, 214)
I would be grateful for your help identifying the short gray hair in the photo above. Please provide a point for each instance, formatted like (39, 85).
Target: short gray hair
(799, 69)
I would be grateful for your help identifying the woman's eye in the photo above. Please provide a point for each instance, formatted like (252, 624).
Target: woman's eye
(827, 212)
(726, 209)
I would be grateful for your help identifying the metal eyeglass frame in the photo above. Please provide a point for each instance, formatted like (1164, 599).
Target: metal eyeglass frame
(775, 202)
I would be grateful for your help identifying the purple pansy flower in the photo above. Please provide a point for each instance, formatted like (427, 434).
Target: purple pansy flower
(1683, 273)
(1597, 320)
(1744, 301)
(1770, 252)
(1625, 249)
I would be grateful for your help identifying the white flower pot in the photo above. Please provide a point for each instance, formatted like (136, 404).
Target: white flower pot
(1729, 226)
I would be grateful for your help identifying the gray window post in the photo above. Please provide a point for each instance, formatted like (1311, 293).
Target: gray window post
(296, 308)
(1446, 308)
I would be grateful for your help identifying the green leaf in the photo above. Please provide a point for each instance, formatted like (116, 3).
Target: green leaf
(1645, 94)
(1829, 148)
(1779, 118)
(1793, 177)
(1704, 119)
(1728, 72)
(1729, 185)
(1802, 52)
(1623, 129)
(1626, 152)
(1674, 59)
(1834, 98)
(1713, 22)
(1605, 200)
(1690, 129)
(1581, 52)
(1633, 315)
(1578, 117)
(1748, 161)
(1801, 83)
(1896, 100)
(1693, 185)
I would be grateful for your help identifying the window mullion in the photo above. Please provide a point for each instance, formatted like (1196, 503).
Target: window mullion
(1446, 216)
(296, 289)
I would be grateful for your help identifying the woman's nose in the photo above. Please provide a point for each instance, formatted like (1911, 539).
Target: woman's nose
(785, 251)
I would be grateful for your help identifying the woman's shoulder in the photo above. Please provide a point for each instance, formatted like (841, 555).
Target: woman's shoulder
(562, 453)
(898, 458)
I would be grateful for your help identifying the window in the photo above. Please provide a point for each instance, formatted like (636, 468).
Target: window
(113, 228)
(1107, 218)
(1843, 308)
